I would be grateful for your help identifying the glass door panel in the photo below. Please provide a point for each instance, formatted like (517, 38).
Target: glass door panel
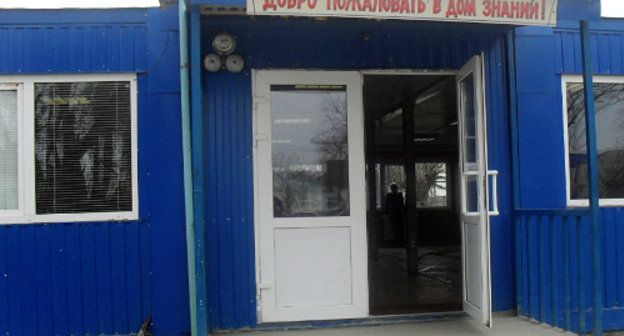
(309, 150)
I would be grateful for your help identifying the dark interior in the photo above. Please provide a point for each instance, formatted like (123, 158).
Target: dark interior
(413, 231)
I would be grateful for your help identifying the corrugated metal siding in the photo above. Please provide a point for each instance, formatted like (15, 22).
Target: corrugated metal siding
(540, 122)
(550, 265)
(67, 47)
(74, 279)
(229, 196)
(607, 46)
(103, 277)
(336, 44)
(501, 227)
(552, 269)
(332, 44)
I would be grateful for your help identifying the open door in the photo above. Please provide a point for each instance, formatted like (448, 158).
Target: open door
(474, 215)
(310, 195)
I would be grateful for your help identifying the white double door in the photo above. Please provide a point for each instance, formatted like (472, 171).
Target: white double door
(310, 198)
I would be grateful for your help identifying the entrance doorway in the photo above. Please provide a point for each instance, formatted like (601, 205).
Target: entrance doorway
(316, 233)
(413, 218)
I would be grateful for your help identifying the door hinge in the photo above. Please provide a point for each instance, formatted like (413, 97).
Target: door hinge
(257, 101)
(262, 286)
(260, 99)
(260, 137)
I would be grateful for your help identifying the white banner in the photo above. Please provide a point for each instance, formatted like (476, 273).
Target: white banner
(516, 12)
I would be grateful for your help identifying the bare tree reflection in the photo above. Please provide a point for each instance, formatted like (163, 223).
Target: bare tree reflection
(291, 178)
(331, 139)
(332, 142)
(311, 179)
(608, 105)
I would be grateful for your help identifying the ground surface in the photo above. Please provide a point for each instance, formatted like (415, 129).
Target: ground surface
(502, 326)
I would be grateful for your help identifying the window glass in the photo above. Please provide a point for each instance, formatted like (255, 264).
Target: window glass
(83, 147)
(386, 175)
(389, 128)
(8, 150)
(435, 115)
(472, 193)
(309, 150)
(431, 184)
(470, 123)
(609, 104)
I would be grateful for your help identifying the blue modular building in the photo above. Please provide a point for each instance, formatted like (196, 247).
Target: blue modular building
(214, 165)
(92, 227)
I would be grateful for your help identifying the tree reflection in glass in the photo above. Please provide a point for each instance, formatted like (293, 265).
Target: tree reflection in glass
(309, 150)
(609, 105)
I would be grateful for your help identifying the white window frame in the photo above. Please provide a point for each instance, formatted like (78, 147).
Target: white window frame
(26, 212)
(565, 79)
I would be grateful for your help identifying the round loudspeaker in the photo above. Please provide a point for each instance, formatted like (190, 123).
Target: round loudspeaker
(234, 63)
(212, 62)
(224, 44)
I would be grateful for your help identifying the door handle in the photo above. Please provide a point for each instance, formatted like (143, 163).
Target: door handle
(493, 203)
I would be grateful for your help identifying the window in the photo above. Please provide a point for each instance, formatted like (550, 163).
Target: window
(431, 184)
(309, 150)
(8, 148)
(68, 148)
(609, 104)
(387, 174)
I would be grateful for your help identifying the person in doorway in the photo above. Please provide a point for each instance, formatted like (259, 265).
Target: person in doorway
(395, 207)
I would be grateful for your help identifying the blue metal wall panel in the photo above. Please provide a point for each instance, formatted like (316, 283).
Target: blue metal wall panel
(88, 277)
(554, 269)
(502, 231)
(74, 280)
(332, 44)
(541, 149)
(229, 196)
(579, 10)
(619, 260)
(4, 281)
(102, 277)
(164, 193)
(60, 278)
(607, 43)
(67, 46)
(166, 217)
(568, 286)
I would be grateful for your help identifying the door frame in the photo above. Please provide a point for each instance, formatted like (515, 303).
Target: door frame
(476, 67)
(263, 208)
(256, 137)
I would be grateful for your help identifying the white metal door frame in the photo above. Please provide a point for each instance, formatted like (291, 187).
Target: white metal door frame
(261, 81)
(266, 224)
(475, 225)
